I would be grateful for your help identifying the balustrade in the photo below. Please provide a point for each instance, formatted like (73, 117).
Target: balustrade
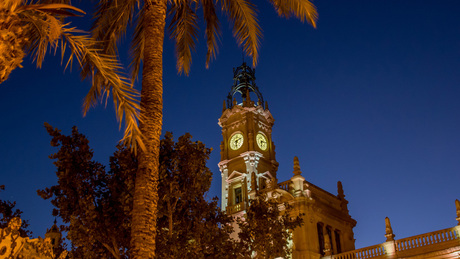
(427, 239)
(236, 208)
(284, 185)
(363, 253)
(404, 244)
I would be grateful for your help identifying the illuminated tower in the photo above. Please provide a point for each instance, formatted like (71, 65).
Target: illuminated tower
(247, 150)
(248, 164)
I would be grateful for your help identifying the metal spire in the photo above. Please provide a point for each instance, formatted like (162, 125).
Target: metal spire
(244, 82)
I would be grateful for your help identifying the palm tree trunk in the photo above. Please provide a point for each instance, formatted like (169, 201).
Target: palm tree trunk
(143, 229)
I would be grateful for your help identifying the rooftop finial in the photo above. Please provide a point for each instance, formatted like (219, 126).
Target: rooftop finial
(388, 230)
(296, 166)
(340, 190)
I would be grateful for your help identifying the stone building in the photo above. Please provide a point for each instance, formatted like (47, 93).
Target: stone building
(248, 163)
(14, 246)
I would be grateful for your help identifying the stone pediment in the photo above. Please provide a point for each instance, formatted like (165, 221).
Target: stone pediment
(235, 176)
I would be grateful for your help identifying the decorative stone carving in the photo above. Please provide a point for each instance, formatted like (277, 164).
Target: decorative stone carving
(268, 183)
(276, 195)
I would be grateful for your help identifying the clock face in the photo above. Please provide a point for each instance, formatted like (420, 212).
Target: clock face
(236, 141)
(262, 141)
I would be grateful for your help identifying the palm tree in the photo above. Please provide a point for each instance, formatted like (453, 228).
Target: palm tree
(29, 29)
(149, 16)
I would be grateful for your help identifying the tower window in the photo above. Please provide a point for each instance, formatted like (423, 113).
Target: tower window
(238, 195)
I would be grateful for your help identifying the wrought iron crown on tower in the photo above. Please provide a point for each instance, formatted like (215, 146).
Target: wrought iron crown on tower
(244, 83)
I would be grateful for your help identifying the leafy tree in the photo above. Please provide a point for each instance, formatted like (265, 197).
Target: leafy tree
(188, 225)
(8, 212)
(96, 205)
(112, 20)
(265, 229)
(31, 27)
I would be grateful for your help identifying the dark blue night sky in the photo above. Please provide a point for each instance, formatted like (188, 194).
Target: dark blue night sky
(370, 97)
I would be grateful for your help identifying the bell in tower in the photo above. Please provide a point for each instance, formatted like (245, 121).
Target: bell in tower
(247, 150)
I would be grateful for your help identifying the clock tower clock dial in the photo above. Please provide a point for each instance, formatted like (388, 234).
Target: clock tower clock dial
(236, 141)
(261, 141)
(248, 158)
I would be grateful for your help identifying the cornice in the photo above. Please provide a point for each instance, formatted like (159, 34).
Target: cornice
(258, 110)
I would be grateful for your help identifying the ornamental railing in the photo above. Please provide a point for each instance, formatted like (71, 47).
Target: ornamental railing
(284, 185)
(424, 243)
(236, 208)
(363, 253)
(427, 239)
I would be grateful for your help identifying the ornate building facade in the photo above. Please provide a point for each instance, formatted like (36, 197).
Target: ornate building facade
(248, 163)
(14, 246)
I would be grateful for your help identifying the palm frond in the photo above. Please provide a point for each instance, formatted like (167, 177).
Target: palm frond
(43, 28)
(302, 9)
(53, 8)
(246, 29)
(111, 21)
(106, 79)
(104, 70)
(10, 5)
(212, 30)
(54, 1)
(137, 47)
(183, 27)
(42, 31)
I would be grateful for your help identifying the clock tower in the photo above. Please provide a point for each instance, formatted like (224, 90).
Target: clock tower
(248, 164)
(247, 151)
